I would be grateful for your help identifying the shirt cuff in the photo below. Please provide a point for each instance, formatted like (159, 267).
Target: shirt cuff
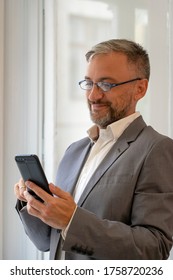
(64, 231)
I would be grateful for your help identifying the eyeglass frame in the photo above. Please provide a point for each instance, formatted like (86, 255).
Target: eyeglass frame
(111, 85)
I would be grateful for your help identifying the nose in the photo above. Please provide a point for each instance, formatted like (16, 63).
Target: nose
(95, 93)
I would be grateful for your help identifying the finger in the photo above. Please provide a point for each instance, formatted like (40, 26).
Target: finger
(33, 206)
(33, 203)
(22, 188)
(38, 191)
(58, 192)
(19, 188)
(22, 185)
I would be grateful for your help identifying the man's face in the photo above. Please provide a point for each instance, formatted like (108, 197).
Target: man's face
(108, 107)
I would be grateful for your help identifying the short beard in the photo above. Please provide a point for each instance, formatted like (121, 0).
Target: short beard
(111, 116)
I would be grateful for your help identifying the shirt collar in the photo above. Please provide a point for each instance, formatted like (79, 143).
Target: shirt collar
(112, 131)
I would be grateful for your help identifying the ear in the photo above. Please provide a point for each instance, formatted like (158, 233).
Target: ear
(141, 88)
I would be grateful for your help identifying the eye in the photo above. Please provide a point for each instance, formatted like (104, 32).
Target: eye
(88, 83)
(104, 86)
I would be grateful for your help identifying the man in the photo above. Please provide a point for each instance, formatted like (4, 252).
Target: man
(113, 197)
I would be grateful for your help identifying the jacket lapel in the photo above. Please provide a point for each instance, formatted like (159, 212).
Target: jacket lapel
(78, 160)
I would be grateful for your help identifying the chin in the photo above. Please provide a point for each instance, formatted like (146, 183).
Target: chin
(102, 122)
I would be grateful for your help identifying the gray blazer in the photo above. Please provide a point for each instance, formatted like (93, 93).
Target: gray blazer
(126, 209)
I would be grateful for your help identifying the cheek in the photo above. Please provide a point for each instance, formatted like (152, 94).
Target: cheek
(122, 101)
(117, 101)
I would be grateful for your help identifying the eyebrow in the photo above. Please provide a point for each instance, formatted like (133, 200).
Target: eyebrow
(101, 79)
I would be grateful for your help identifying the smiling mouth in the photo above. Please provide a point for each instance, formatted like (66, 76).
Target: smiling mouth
(98, 106)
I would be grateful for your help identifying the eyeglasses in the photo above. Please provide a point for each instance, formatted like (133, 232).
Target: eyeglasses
(104, 86)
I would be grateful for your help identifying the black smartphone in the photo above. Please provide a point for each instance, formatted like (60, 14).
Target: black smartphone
(31, 170)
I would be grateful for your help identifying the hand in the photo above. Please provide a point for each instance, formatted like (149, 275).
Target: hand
(56, 211)
(19, 189)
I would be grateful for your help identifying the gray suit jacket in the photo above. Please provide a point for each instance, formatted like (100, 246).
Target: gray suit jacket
(126, 209)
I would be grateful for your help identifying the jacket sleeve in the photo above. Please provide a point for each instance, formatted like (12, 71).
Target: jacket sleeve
(37, 231)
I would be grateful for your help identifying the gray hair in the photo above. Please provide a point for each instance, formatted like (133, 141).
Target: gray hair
(135, 53)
